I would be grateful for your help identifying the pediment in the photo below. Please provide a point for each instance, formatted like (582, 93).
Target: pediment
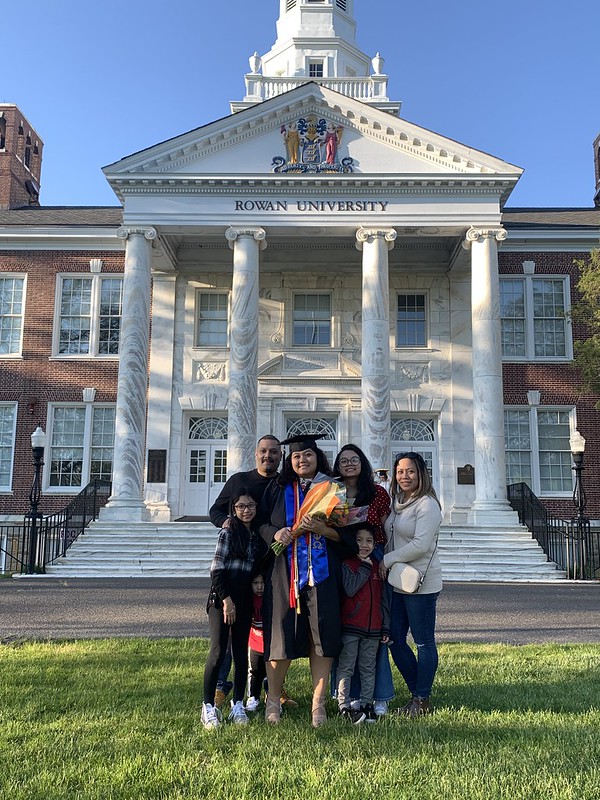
(325, 366)
(252, 143)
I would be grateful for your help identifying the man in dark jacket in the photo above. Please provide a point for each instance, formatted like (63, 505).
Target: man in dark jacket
(268, 458)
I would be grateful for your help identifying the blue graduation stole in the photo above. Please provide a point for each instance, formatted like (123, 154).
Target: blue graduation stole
(307, 558)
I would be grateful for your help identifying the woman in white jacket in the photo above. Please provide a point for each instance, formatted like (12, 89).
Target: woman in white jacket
(412, 535)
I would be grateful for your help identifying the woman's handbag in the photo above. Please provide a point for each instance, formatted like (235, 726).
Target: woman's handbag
(406, 578)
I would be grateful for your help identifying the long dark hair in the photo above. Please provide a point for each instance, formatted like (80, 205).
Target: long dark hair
(289, 476)
(365, 484)
(425, 484)
(238, 542)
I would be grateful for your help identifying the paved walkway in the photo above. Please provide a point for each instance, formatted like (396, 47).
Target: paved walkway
(50, 608)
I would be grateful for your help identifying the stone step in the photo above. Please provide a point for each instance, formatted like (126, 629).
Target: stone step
(186, 550)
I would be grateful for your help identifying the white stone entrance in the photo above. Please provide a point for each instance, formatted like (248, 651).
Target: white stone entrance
(205, 467)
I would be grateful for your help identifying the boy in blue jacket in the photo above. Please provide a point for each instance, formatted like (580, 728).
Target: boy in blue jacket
(365, 623)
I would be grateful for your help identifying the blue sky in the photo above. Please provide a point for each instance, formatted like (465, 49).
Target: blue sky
(99, 81)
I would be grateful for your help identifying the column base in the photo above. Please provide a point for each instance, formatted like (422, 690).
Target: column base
(458, 515)
(156, 502)
(124, 510)
(159, 512)
(493, 512)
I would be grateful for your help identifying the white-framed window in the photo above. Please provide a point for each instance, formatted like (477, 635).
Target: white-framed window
(212, 319)
(8, 422)
(535, 325)
(81, 443)
(12, 309)
(311, 319)
(323, 424)
(411, 320)
(315, 68)
(538, 452)
(89, 315)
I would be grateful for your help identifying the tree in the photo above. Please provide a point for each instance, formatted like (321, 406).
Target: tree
(586, 310)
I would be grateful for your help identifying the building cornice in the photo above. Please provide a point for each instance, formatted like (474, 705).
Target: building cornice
(550, 240)
(430, 184)
(21, 237)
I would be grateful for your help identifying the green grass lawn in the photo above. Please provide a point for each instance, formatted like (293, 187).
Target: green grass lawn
(121, 719)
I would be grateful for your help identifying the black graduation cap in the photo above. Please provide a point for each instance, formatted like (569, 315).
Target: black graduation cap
(303, 441)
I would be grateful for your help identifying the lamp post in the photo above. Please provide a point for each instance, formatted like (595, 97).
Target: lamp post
(38, 444)
(580, 524)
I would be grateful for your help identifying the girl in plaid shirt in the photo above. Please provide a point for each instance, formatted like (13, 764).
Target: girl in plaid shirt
(238, 553)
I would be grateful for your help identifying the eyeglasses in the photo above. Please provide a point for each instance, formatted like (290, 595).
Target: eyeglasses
(349, 462)
(245, 507)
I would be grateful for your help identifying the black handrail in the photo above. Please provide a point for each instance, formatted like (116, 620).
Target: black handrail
(573, 547)
(52, 535)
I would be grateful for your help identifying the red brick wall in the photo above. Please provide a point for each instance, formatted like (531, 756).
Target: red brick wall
(36, 379)
(13, 172)
(558, 383)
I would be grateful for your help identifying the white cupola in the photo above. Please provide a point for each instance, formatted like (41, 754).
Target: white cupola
(316, 42)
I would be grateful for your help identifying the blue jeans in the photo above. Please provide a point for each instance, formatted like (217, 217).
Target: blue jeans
(415, 612)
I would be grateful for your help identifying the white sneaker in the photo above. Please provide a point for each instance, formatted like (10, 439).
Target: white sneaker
(210, 716)
(237, 715)
(252, 703)
(380, 707)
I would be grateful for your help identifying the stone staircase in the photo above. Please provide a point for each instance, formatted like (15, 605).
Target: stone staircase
(185, 549)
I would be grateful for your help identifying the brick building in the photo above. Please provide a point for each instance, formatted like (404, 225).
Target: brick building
(310, 262)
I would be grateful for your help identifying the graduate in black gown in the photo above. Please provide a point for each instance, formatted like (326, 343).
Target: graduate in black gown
(307, 623)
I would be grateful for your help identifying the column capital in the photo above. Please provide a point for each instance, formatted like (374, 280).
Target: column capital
(125, 232)
(364, 234)
(477, 234)
(258, 234)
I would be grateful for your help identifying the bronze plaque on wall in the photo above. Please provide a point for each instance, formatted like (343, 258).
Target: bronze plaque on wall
(466, 474)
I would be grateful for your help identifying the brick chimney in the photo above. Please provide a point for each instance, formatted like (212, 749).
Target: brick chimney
(20, 160)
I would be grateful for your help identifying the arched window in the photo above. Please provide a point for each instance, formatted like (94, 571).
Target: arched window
(418, 435)
(317, 425)
(203, 428)
(412, 430)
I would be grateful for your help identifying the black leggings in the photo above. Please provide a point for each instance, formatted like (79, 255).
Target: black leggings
(219, 637)
(256, 674)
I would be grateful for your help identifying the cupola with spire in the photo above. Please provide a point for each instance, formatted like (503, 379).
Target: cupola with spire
(316, 42)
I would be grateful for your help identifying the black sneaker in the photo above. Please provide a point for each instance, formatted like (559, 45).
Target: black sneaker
(369, 712)
(353, 716)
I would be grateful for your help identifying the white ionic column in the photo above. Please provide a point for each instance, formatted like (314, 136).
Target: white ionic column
(126, 502)
(375, 391)
(160, 387)
(243, 347)
(490, 505)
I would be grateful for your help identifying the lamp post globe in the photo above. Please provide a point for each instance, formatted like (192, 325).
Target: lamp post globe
(38, 445)
(580, 524)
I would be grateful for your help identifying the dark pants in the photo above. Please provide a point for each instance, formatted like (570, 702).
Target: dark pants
(219, 638)
(415, 612)
(257, 673)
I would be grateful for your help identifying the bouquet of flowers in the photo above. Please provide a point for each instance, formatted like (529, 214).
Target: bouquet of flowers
(326, 501)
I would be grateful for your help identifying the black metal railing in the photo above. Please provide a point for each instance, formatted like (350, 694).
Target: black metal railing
(11, 541)
(572, 544)
(29, 547)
